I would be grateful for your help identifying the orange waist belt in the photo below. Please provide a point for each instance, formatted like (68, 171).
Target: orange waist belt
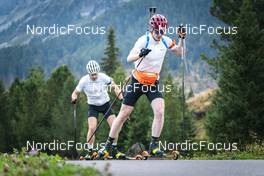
(146, 78)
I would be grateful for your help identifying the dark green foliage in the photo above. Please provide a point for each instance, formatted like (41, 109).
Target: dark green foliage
(39, 110)
(237, 113)
(172, 128)
(31, 123)
(139, 124)
(60, 110)
(119, 77)
(176, 127)
(5, 123)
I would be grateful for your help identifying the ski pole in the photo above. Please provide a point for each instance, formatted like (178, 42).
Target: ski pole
(183, 84)
(74, 122)
(110, 107)
(187, 67)
(75, 129)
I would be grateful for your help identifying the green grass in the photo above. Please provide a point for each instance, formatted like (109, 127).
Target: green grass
(44, 165)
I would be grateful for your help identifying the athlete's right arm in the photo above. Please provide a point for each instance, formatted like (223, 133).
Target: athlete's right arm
(133, 57)
(77, 91)
(74, 96)
(134, 53)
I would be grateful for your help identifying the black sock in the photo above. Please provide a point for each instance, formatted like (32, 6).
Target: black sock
(154, 139)
(109, 141)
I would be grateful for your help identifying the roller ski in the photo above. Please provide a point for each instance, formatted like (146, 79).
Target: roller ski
(144, 155)
(116, 154)
(141, 153)
(156, 153)
(112, 153)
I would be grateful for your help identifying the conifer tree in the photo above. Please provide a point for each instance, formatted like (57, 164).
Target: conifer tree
(237, 113)
(110, 61)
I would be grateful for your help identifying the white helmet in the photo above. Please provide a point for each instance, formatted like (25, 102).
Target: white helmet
(92, 67)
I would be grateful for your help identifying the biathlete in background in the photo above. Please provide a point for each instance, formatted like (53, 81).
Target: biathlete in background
(94, 85)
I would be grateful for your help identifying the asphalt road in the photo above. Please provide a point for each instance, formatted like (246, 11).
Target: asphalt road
(179, 167)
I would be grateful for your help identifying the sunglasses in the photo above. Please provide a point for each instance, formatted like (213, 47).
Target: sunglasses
(159, 31)
(93, 74)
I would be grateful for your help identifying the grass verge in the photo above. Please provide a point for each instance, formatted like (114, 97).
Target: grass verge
(42, 164)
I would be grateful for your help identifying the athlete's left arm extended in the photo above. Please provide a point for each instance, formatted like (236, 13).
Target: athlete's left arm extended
(117, 90)
(179, 49)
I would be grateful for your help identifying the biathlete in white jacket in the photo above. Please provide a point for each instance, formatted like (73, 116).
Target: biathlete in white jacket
(95, 85)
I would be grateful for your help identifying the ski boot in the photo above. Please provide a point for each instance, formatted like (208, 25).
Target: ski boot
(89, 154)
(116, 154)
(154, 150)
(105, 152)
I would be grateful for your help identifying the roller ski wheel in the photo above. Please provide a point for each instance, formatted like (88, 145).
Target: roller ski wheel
(145, 154)
(137, 157)
(141, 156)
(175, 155)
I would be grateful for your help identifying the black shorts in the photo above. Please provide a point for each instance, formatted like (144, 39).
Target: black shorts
(94, 111)
(134, 90)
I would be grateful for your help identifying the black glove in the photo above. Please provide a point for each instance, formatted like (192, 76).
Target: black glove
(74, 101)
(144, 52)
(181, 32)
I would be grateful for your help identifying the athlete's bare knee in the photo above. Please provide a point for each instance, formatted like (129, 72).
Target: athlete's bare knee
(158, 108)
(122, 117)
(124, 113)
